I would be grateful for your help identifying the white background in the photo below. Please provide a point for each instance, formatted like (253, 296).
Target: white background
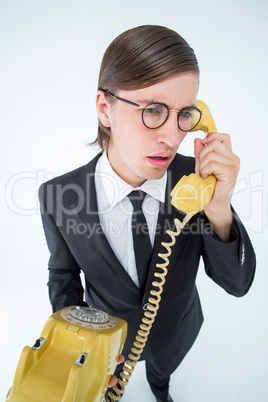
(50, 57)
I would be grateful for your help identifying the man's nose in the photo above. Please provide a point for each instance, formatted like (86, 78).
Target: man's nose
(169, 133)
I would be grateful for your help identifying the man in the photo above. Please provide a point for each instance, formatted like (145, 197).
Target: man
(147, 90)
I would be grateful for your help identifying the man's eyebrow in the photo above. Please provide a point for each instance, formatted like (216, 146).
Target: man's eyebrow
(148, 101)
(153, 101)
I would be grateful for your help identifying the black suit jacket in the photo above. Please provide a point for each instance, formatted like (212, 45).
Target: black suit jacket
(77, 243)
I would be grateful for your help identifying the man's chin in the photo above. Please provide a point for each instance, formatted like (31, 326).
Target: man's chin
(156, 175)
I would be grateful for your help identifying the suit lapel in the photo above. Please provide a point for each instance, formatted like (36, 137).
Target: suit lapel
(90, 216)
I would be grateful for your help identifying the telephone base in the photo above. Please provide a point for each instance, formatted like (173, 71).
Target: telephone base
(72, 361)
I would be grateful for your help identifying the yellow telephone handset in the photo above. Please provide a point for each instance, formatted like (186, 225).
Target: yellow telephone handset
(192, 194)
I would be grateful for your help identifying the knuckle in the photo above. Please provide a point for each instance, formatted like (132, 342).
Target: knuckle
(211, 165)
(237, 160)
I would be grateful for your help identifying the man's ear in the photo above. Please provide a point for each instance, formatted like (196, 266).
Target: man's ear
(103, 109)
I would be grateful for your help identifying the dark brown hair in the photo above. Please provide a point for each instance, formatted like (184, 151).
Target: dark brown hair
(141, 57)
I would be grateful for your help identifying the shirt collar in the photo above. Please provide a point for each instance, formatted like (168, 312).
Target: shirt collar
(116, 189)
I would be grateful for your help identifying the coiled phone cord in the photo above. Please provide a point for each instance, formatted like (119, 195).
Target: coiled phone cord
(149, 315)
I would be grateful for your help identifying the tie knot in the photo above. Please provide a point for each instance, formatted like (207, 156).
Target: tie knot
(136, 198)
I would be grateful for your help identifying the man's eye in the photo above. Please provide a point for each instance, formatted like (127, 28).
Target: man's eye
(186, 114)
(154, 109)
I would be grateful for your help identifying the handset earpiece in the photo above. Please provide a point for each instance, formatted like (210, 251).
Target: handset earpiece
(192, 194)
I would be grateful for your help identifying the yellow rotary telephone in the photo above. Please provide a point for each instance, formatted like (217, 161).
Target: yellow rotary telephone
(73, 359)
(77, 351)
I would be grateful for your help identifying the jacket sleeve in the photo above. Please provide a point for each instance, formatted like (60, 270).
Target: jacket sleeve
(65, 287)
(231, 265)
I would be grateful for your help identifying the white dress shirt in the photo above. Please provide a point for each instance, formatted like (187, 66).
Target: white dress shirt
(115, 211)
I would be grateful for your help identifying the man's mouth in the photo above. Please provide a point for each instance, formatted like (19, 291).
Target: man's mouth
(160, 160)
(159, 157)
(162, 155)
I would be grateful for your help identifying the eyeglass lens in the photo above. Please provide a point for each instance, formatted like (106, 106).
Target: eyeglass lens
(155, 115)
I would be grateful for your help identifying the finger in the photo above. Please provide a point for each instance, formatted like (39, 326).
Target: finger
(224, 168)
(218, 154)
(113, 381)
(223, 138)
(198, 146)
(121, 359)
(224, 172)
(216, 147)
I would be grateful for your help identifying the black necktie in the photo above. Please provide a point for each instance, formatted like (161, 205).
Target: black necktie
(141, 240)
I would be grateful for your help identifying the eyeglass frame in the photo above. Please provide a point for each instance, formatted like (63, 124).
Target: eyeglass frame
(156, 103)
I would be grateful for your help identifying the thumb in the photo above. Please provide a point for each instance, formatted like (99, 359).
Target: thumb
(198, 146)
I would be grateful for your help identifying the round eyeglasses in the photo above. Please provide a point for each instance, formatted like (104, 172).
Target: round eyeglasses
(155, 115)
